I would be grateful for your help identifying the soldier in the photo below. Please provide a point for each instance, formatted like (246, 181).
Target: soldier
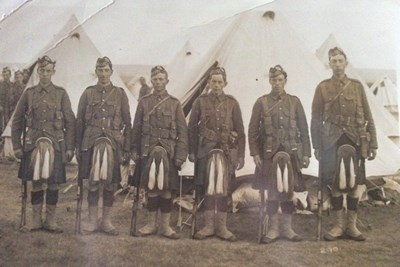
(145, 89)
(280, 145)
(16, 92)
(160, 140)
(216, 142)
(45, 110)
(103, 127)
(343, 135)
(27, 75)
(5, 87)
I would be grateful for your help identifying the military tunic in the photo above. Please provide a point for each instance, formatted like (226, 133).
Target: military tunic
(340, 111)
(46, 112)
(159, 121)
(13, 97)
(5, 88)
(215, 122)
(278, 123)
(102, 112)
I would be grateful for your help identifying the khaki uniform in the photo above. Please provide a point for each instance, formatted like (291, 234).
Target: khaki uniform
(5, 89)
(46, 112)
(103, 111)
(341, 116)
(340, 112)
(278, 123)
(215, 122)
(163, 126)
(13, 97)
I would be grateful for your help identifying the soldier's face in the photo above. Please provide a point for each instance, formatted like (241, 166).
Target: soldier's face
(104, 74)
(159, 81)
(278, 83)
(19, 78)
(46, 72)
(217, 82)
(338, 64)
(6, 75)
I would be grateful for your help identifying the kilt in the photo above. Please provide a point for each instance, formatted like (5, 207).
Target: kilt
(58, 175)
(85, 165)
(263, 179)
(329, 162)
(173, 184)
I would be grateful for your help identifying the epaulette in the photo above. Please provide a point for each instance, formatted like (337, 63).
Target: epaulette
(354, 80)
(293, 96)
(145, 96)
(59, 88)
(31, 88)
(325, 81)
(90, 87)
(231, 97)
(173, 97)
(203, 95)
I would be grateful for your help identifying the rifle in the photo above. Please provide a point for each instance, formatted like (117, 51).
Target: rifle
(24, 196)
(24, 187)
(195, 204)
(179, 224)
(79, 200)
(261, 223)
(320, 198)
(135, 206)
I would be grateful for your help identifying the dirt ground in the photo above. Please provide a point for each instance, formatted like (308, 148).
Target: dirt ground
(381, 225)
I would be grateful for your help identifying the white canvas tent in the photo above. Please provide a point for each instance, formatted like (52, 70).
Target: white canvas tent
(75, 58)
(384, 121)
(387, 94)
(27, 31)
(254, 42)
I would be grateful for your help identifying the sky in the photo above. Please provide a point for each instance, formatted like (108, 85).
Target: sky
(367, 29)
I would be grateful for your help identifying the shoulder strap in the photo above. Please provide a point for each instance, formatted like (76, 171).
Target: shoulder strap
(265, 105)
(157, 105)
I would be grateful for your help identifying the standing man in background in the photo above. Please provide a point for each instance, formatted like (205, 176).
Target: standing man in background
(5, 88)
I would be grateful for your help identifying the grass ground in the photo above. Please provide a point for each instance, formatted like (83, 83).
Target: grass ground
(380, 224)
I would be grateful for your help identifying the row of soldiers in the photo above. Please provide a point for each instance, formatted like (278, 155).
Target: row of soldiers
(10, 92)
(160, 141)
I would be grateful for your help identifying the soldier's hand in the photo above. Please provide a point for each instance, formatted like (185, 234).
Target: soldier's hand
(134, 156)
(240, 163)
(372, 154)
(125, 158)
(178, 164)
(316, 154)
(18, 153)
(192, 157)
(257, 161)
(69, 154)
(77, 155)
(306, 161)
